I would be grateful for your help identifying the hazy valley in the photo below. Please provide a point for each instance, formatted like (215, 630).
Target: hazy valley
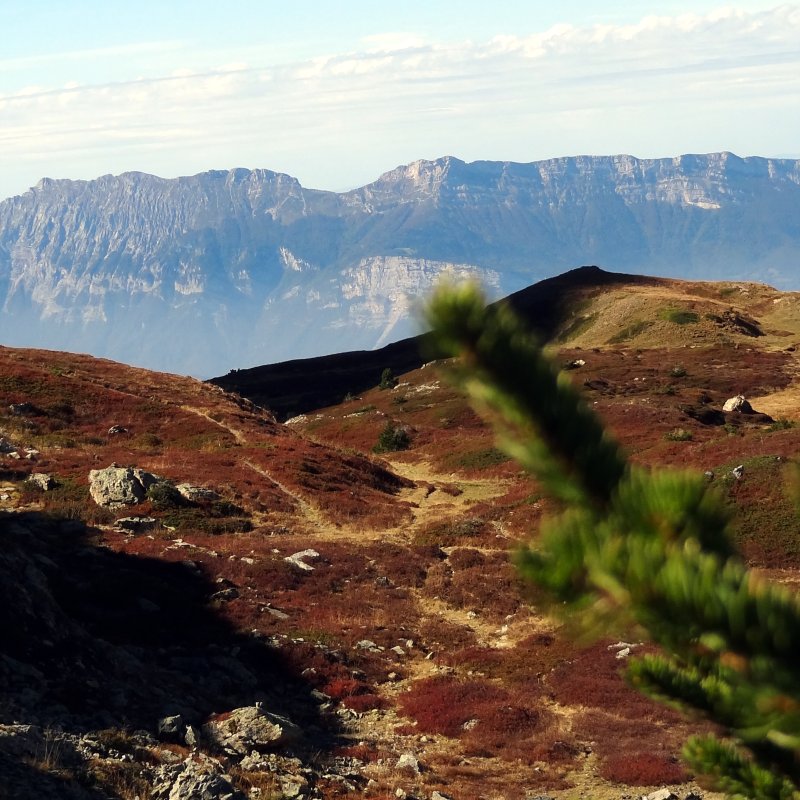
(240, 268)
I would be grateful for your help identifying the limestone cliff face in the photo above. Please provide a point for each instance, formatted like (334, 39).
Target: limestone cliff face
(229, 269)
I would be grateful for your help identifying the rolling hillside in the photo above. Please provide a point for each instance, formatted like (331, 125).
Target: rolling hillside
(366, 600)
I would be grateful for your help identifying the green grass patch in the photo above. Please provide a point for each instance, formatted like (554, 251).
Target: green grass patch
(781, 424)
(634, 329)
(576, 327)
(679, 316)
(477, 459)
(679, 435)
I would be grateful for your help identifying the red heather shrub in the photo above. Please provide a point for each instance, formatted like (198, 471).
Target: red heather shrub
(594, 679)
(364, 702)
(340, 688)
(443, 705)
(643, 769)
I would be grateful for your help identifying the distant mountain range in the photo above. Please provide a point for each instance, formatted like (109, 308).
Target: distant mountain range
(231, 269)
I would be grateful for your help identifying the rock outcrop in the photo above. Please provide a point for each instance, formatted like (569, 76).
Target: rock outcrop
(120, 486)
(252, 728)
(252, 263)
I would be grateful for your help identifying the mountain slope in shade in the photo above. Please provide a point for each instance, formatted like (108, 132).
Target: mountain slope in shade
(226, 269)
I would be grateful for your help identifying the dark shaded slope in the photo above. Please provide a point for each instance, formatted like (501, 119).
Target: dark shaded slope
(301, 385)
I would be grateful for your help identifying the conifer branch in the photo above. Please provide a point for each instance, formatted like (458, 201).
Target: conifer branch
(643, 551)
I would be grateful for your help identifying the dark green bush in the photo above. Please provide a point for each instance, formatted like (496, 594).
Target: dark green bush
(392, 439)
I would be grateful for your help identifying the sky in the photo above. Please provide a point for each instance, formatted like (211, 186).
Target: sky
(336, 93)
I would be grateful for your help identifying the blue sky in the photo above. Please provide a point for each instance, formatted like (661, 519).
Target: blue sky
(335, 93)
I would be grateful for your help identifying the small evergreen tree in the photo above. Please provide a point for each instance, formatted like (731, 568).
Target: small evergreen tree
(642, 553)
(388, 380)
(391, 439)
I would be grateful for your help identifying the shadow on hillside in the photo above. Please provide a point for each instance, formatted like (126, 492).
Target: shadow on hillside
(94, 639)
(307, 384)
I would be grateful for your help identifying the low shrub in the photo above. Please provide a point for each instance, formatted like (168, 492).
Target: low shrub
(643, 769)
(680, 316)
(478, 459)
(634, 329)
(679, 435)
(364, 702)
(392, 439)
(164, 496)
(443, 705)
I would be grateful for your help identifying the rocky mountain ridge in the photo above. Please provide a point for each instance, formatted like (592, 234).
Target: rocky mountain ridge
(247, 266)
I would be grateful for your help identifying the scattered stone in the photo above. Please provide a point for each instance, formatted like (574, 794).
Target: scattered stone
(116, 430)
(31, 453)
(293, 786)
(6, 447)
(440, 796)
(299, 559)
(193, 779)
(408, 761)
(250, 728)
(120, 486)
(275, 612)
(136, 524)
(170, 726)
(42, 480)
(661, 794)
(738, 472)
(397, 650)
(575, 364)
(22, 409)
(225, 595)
(738, 403)
(197, 494)
(192, 736)
(366, 644)
(708, 475)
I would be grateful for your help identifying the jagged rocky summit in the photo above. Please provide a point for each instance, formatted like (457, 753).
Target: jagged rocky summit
(230, 269)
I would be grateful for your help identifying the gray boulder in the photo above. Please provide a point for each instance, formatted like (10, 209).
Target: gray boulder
(197, 494)
(299, 559)
(661, 794)
(738, 403)
(41, 480)
(408, 761)
(137, 524)
(195, 779)
(170, 726)
(250, 728)
(120, 486)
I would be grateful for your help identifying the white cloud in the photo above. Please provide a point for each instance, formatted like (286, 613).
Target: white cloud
(696, 78)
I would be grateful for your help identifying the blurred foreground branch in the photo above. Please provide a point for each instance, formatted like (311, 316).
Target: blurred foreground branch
(641, 552)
